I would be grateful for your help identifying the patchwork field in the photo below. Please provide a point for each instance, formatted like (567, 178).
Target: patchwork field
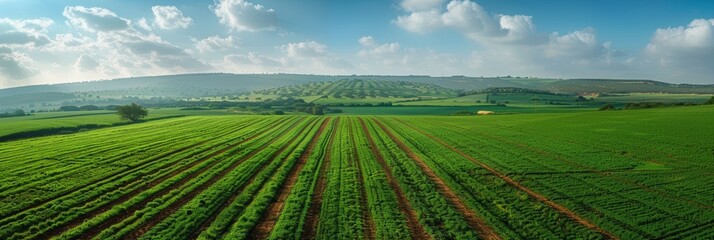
(639, 174)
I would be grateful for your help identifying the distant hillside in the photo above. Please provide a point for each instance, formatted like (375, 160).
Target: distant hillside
(580, 86)
(155, 89)
(361, 88)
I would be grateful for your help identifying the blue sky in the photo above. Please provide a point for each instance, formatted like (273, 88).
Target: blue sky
(64, 41)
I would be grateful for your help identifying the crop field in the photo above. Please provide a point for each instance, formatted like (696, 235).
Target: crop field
(640, 174)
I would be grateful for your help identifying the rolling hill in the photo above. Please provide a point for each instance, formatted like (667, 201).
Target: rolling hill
(369, 88)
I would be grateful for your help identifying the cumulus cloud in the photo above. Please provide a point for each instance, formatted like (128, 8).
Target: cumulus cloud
(216, 43)
(95, 19)
(169, 17)
(242, 15)
(32, 26)
(366, 41)
(86, 63)
(121, 45)
(27, 33)
(683, 52)
(512, 43)
(683, 45)
(392, 58)
(311, 56)
(297, 57)
(143, 24)
(306, 49)
(371, 48)
(14, 38)
(420, 21)
(14, 66)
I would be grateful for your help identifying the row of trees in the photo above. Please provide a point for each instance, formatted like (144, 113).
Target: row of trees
(16, 113)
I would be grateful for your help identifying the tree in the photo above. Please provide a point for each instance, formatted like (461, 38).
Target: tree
(19, 112)
(132, 112)
(316, 110)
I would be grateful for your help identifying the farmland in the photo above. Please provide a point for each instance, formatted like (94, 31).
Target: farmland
(588, 175)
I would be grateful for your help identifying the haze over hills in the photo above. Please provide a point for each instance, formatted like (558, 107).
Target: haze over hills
(186, 86)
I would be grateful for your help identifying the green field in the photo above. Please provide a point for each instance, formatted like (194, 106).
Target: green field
(639, 174)
(450, 110)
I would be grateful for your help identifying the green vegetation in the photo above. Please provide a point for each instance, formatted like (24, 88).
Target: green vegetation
(351, 160)
(132, 112)
(587, 175)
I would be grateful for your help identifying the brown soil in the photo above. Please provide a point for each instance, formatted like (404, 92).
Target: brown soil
(563, 210)
(270, 217)
(415, 228)
(175, 206)
(369, 226)
(485, 232)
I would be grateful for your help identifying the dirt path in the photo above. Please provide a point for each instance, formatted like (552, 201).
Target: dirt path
(416, 229)
(270, 217)
(108, 206)
(175, 206)
(563, 210)
(472, 219)
(370, 230)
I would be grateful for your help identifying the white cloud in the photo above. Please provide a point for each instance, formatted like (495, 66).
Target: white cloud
(366, 41)
(420, 5)
(16, 39)
(169, 17)
(307, 49)
(14, 66)
(26, 33)
(242, 15)
(420, 22)
(581, 44)
(511, 42)
(297, 57)
(95, 19)
(120, 45)
(683, 52)
(33, 26)
(392, 58)
(376, 51)
(86, 63)
(216, 43)
(143, 24)
(674, 45)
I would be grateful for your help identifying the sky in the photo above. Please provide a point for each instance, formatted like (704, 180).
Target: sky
(66, 41)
